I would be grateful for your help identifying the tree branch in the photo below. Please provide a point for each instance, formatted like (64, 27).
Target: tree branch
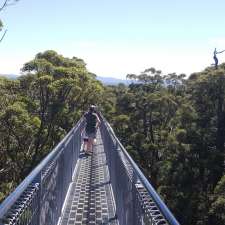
(4, 5)
(3, 35)
(8, 3)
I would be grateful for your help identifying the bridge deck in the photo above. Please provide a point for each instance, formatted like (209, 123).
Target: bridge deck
(90, 198)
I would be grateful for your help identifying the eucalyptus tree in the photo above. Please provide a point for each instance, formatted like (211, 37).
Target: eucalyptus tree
(146, 110)
(175, 130)
(39, 108)
(191, 175)
(61, 89)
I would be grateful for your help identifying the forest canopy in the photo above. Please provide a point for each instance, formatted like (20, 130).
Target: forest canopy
(38, 109)
(173, 126)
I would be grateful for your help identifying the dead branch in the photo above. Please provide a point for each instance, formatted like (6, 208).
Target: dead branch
(8, 3)
(4, 5)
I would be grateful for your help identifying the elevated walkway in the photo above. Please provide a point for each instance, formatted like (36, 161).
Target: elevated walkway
(69, 188)
(90, 198)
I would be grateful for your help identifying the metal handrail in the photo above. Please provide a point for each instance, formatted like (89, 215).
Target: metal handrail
(43, 170)
(6, 205)
(161, 205)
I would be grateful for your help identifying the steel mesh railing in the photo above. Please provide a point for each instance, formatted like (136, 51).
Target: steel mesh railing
(38, 200)
(137, 203)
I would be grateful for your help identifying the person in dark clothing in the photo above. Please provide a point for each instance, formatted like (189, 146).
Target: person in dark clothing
(92, 124)
(215, 57)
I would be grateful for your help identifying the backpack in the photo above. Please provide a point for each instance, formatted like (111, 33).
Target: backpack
(91, 120)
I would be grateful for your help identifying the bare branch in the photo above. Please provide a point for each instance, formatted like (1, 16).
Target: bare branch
(4, 5)
(8, 3)
(3, 35)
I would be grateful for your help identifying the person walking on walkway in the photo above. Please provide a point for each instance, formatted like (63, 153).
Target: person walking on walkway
(92, 124)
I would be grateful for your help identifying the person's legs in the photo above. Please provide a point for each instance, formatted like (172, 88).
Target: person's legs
(90, 144)
(94, 139)
(216, 61)
(85, 144)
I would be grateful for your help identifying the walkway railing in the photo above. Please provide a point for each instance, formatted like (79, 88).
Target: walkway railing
(38, 200)
(137, 203)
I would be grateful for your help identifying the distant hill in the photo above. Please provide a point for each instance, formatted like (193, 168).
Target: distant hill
(10, 76)
(113, 81)
(104, 80)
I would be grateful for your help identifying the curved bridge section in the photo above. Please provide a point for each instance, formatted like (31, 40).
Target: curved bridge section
(68, 187)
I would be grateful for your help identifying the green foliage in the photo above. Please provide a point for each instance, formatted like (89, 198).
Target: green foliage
(38, 109)
(175, 130)
(173, 127)
(217, 209)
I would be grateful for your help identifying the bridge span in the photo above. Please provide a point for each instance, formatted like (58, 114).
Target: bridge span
(70, 188)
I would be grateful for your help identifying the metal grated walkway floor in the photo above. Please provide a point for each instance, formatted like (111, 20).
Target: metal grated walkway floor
(90, 198)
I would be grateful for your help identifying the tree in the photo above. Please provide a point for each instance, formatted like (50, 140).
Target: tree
(61, 88)
(175, 130)
(217, 215)
(38, 109)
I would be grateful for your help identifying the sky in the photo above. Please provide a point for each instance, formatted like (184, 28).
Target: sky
(116, 37)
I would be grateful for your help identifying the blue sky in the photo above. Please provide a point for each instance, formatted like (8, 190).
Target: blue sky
(116, 37)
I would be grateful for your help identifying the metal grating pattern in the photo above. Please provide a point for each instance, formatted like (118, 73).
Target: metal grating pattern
(22, 212)
(107, 178)
(152, 213)
(90, 200)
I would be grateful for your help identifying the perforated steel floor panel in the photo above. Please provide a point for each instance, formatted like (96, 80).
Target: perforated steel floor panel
(90, 199)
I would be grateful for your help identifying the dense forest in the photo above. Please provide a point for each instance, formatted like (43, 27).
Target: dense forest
(173, 126)
(38, 109)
